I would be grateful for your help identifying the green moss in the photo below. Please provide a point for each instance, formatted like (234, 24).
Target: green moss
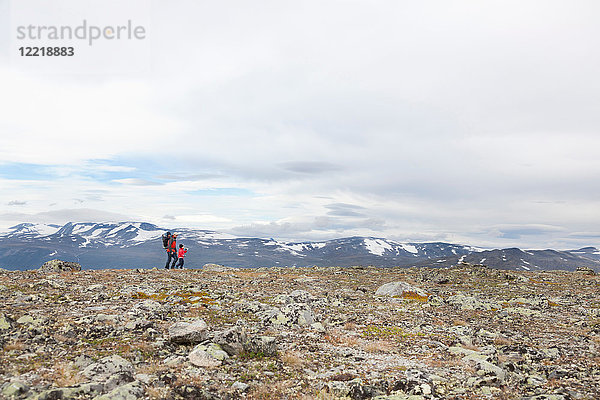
(248, 376)
(185, 297)
(387, 332)
(251, 355)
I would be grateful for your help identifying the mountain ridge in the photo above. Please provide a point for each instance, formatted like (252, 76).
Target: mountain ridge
(98, 245)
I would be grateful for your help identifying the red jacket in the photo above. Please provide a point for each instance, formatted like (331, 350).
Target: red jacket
(173, 248)
(182, 252)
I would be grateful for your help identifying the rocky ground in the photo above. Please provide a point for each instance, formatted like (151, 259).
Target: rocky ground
(466, 332)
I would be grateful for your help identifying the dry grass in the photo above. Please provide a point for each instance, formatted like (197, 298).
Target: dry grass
(65, 375)
(378, 346)
(156, 393)
(502, 341)
(14, 345)
(292, 359)
(321, 395)
(442, 362)
(153, 368)
(470, 347)
(60, 338)
(272, 391)
(198, 381)
(335, 336)
(350, 326)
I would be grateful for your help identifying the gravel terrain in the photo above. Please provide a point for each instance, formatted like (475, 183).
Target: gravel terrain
(466, 332)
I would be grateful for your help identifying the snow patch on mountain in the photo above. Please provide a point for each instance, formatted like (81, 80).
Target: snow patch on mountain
(31, 230)
(410, 248)
(377, 246)
(143, 235)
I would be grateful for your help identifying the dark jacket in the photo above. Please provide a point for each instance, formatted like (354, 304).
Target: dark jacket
(172, 245)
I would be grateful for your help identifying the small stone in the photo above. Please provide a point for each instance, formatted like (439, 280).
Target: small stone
(242, 387)
(174, 361)
(215, 268)
(25, 320)
(317, 326)
(536, 380)
(4, 323)
(486, 391)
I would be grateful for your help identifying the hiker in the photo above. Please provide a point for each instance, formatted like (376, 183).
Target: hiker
(181, 255)
(171, 250)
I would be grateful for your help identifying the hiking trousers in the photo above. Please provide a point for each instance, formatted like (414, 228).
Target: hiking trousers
(171, 256)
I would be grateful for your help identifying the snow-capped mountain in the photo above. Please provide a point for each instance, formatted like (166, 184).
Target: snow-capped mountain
(31, 230)
(587, 252)
(139, 245)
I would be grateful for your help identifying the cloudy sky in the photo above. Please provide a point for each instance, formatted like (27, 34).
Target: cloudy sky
(462, 121)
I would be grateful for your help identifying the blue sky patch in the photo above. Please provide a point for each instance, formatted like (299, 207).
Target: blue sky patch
(22, 171)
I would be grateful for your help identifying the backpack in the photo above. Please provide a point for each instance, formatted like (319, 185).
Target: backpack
(165, 239)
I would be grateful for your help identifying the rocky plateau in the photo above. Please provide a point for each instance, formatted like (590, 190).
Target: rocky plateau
(463, 332)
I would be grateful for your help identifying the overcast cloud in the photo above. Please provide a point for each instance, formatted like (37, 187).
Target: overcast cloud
(469, 122)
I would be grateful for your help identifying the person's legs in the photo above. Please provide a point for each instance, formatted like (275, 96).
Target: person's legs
(180, 264)
(174, 260)
(168, 259)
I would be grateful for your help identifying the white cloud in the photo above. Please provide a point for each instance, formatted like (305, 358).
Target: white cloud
(64, 216)
(76, 121)
(137, 182)
(440, 120)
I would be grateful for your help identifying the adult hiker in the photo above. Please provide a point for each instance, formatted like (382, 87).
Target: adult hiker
(171, 251)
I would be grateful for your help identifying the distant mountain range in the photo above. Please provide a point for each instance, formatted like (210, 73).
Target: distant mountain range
(139, 245)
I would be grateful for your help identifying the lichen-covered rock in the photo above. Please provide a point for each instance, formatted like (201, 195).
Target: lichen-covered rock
(210, 355)
(547, 397)
(399, 289)
(130, 391)
(542, 344)
(240, 386)
(200, 356)
(106, 367)
(263, 345)
(231, 340)
(471, 303)
(585, 270)
(188, 332)
(54, 266)
(4, 323)
(216, 268)
(15, 389)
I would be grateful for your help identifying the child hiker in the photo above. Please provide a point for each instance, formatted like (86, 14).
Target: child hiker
(181, 255)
